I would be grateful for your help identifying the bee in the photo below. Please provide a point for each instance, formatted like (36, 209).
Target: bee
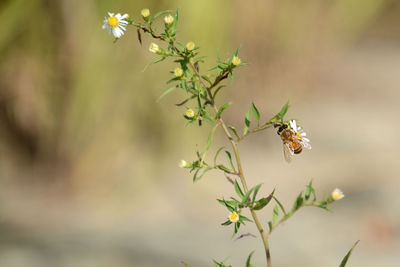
(293, 139)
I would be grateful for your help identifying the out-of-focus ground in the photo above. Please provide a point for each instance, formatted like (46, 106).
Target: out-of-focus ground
(88, 160)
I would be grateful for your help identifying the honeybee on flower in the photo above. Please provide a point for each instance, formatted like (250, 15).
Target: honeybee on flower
(294, 139)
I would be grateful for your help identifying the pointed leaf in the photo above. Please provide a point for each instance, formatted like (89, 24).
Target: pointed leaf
(238, 190)
(233, 129)
(309, 189)
(166, 92)
(230, 159)
(249, 259)
(159, 14)
(281, 113)
(299, 202)
(346, 258)
(247, 196)
(255, 112)
(247, 120)
(275, 215)
(221, 109)
(256, 189)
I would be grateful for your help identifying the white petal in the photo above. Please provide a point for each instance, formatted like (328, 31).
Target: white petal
(306, 139)
(124, 16)
(303, 134)
(110, 14)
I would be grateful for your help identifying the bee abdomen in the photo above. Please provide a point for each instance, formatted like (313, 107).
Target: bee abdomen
(297, 150)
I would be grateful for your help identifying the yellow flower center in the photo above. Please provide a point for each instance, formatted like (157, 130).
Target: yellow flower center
(236, 61)
(112, 21)
(233, 216)
(336, 195)
(190, 46)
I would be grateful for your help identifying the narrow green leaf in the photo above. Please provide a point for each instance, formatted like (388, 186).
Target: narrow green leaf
(227, 204)
(248, 264)
(256, 113)
(223, 168)
(309, 188)
(299, 202)
(216, 154)
(275, 215)
(346, 258)
(237, 226)
(261, 203)
(247, 196)
(233, 129)
(244, 219)
(206, 79)
(280, 205)
(238, 190)
(210, 137)
(256, 189)
(228, 222)
(198, 175)
(270, 226)
(247, 120)
(217, 90)
(228, 154)
(281, 113)
(159, 14)
(155, 61)
(185, 101)
(221, 109)
(184, 86)
(166, 92)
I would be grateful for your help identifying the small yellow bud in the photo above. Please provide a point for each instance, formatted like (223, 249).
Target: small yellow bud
(145, 12)
(190, 46)
(235, 61)
(182, 163)
(169, 19)
(190, 113)
(233, 217)
(178, 72)
(154, 48)
(337, 194)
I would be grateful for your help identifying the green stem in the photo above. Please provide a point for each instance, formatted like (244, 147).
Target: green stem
(228, 135)
(246, 189)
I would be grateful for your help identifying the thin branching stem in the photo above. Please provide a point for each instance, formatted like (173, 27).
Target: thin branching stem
(220, 121)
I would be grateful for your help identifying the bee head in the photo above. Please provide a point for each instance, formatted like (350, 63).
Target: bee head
(281, 128)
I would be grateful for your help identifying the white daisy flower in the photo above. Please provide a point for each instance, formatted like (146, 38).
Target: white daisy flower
(233, 217)
(300, 134)
(337, 194)
(115, 24)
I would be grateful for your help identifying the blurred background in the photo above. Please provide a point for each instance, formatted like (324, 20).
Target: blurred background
(89, 161)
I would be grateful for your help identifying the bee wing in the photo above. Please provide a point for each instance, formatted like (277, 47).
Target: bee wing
(288, 152)
(305, 144)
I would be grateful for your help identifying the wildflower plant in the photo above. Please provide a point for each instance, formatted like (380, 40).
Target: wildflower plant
(200, 105)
